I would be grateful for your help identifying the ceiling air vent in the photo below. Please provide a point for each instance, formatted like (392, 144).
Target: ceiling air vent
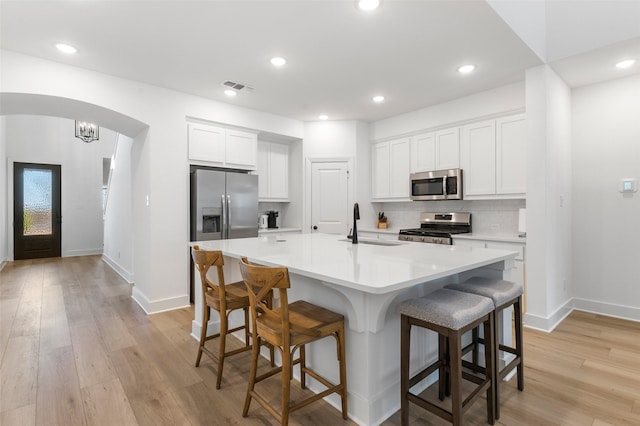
(240, 87)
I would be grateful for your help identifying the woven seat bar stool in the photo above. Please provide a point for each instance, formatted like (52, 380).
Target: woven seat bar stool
(289, 328)
(450, 314)
(504, 294)
(224, 298)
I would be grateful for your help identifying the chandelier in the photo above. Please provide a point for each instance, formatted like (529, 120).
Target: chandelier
(88, 132)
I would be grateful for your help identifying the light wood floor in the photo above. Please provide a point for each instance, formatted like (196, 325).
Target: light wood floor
(75, 349)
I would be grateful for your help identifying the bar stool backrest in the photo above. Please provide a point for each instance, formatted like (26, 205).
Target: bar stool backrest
(204, 260)
(260, 280)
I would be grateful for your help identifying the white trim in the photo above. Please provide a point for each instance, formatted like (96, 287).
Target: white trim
(549, 323)
(3, 263)
(83, 252)
(157, 306)
(608, 309)
(126, 275)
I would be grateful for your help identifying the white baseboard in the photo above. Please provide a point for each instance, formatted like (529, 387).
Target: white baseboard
(126, 275)
(549, 323)
(162, 305)
(608, 309)
(84, 252)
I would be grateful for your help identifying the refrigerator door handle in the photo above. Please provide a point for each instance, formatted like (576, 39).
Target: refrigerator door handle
(223, 212)
(228, 215)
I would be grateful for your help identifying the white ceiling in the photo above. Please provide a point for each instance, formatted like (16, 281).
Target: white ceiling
(338, 57)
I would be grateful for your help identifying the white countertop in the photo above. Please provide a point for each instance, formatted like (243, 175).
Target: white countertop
(275, 230)
(505, 238)
(370, 268)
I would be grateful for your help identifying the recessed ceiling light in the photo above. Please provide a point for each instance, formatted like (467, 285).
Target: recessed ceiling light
(368, 4)
(378, 98)
(278, 62)
(323, 117)
(465, 69)
(625, 64)
(230, 93)
(65, 48)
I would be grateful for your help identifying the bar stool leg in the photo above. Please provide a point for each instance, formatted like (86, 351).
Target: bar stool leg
(203, 333)
(303, 365)
(490, 355)
(455, 361)
(343, 370)
(405, 335)
(224, 326)
(518, 318)
(443, 374)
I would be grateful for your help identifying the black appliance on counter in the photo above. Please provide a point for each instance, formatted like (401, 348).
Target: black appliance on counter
(437, 228)
(271, 219)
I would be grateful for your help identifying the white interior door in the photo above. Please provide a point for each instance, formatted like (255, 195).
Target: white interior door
(330, 197)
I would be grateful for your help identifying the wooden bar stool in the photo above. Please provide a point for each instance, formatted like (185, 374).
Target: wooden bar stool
(224, 298)
(289, 328)
(450, 314)
(503, 294)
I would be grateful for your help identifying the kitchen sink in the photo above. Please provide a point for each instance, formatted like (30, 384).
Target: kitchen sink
(375, 243)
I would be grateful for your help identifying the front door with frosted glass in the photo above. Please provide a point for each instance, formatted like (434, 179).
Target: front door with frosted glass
(37, 216)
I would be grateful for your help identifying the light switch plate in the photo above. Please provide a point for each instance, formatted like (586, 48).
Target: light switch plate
(628, 185)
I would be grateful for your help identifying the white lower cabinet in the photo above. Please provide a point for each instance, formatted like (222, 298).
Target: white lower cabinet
(518, 274)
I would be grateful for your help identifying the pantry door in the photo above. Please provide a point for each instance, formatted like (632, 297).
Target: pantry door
(330, 197)
(37, 217)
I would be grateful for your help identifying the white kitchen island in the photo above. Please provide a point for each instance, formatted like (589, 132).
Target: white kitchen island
(365, 282)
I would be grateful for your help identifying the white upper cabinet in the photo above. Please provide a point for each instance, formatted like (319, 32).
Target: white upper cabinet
(273, 171)
(423, 149)
(206, 143)
(435, 151)
(511, 161)
(448, 149)
(493, 158)
(479, 158)
(222, 147)
(390, 162)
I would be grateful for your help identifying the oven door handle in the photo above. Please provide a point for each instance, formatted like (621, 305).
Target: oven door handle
(444, 186)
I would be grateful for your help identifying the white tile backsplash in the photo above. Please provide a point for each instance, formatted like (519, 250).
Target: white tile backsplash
(487, 216)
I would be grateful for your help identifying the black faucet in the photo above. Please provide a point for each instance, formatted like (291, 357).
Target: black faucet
(356, 217)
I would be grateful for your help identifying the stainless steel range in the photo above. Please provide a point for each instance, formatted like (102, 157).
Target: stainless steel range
(437, 228)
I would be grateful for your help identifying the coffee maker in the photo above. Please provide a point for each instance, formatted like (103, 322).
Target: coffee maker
(271, 219)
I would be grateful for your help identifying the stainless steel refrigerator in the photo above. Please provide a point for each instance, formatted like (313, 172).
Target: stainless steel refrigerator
(223, 205)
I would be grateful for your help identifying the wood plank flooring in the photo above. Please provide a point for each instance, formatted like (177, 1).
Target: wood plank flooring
(75, 349)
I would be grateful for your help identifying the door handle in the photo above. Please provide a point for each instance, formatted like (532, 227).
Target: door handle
(228, 215)
(444, 186)
(315, 228)
(223, 212)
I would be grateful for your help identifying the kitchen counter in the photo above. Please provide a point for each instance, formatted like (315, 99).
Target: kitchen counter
(505, 238)
(276, 230)
(394, 231)
(365, 283)
(371, 268)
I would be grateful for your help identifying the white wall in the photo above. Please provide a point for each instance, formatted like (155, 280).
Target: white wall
(159, 159)
(548, 272)
(3, 194)
(118, 217)
(606, 223)
(342, 139)
(491, 103)
(51, 140)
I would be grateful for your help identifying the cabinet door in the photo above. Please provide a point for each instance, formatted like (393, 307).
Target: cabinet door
(206, 143)
(241, 149)
(399, 183)
(511, 163)
(423, 148)
(263, 169)
(380, 170)
(278, 171)
(478, 156)
(447, 149)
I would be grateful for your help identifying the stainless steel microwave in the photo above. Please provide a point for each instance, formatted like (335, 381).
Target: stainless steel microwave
(437, 185)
